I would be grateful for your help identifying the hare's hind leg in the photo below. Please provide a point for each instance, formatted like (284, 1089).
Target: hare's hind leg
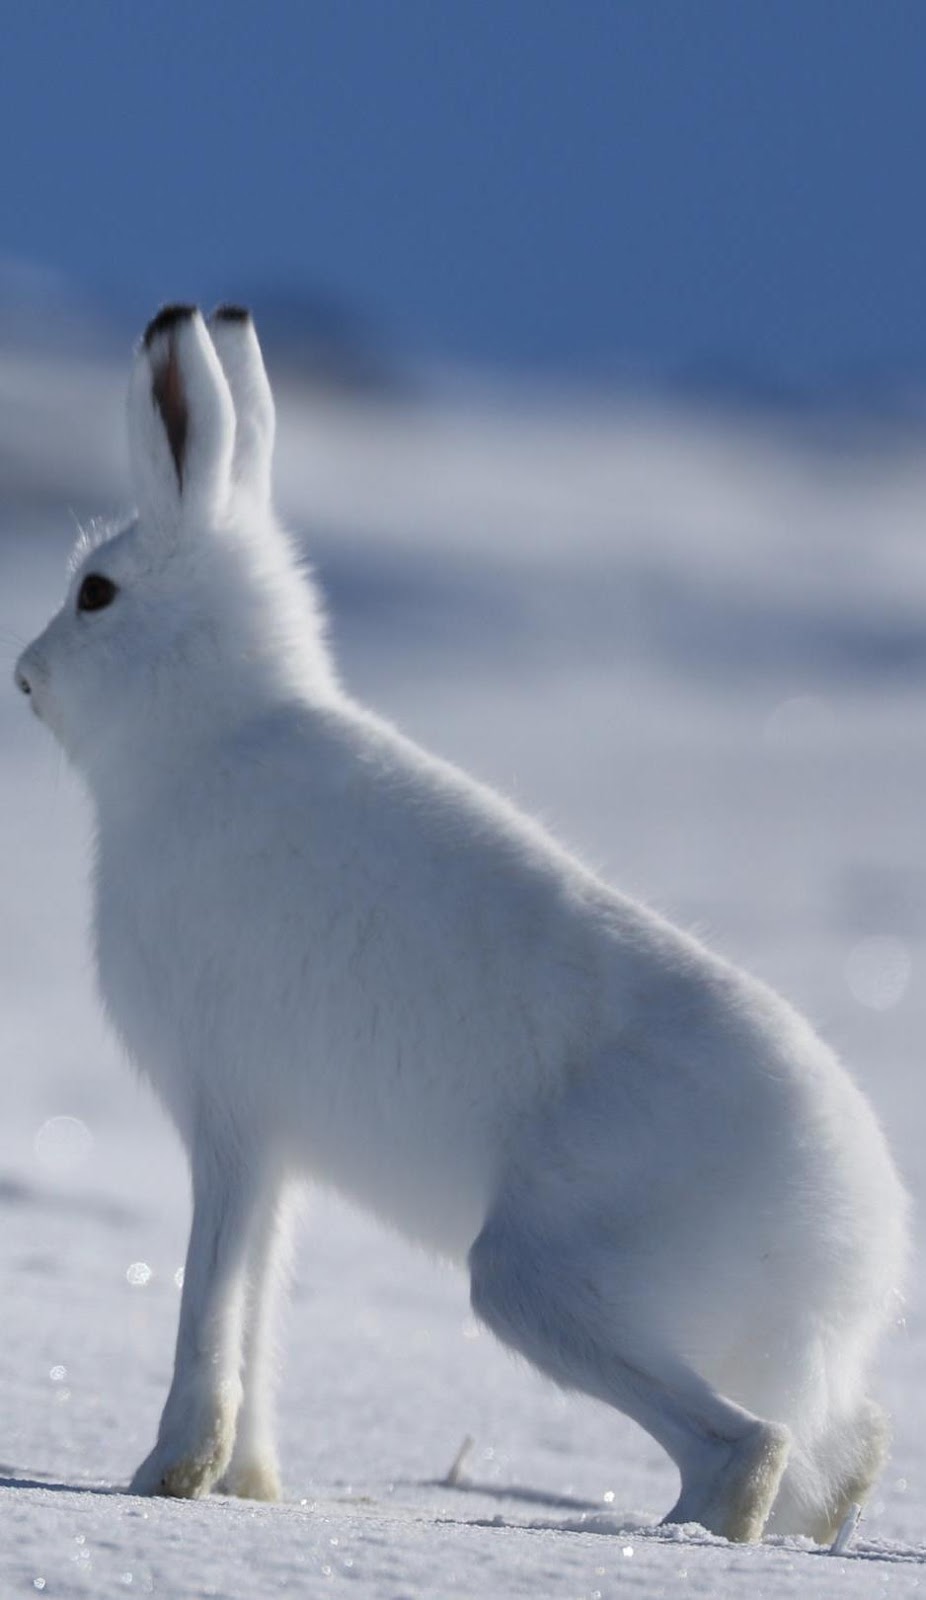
(197, 1429)
(253, 1471)
(541, 1294)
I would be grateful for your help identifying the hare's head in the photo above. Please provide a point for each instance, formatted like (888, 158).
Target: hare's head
(196, 611)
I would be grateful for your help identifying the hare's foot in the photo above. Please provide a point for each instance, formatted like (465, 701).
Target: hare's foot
(733, 1495)
(194, 1447)
(252, 1477)
(835, 1472)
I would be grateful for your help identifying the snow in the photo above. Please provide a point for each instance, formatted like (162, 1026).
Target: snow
(696, 645)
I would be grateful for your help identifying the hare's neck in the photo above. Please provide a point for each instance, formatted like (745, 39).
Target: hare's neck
(182, 742)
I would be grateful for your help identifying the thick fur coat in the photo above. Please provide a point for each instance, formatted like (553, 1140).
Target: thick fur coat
(334, 955)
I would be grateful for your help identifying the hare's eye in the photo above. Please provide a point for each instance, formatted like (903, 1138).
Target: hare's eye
(96, 592)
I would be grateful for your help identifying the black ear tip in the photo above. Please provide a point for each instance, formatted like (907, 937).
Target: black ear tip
(228, 313)
(166, 319)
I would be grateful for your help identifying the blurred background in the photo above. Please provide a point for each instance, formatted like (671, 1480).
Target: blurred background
(721, 198)
(597, 335)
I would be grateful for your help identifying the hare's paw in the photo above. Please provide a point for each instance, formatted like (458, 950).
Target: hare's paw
(186, 1478)
(193, 1450)
(252, 1476)
(735, 1498)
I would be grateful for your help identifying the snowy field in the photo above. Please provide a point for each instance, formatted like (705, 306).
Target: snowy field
(697, 648)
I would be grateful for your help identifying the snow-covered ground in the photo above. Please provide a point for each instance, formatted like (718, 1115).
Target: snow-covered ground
(697, 647)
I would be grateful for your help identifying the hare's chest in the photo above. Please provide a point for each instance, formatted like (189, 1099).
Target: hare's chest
(148, 953)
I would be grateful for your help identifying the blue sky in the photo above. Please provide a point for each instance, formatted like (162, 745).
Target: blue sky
(587, 185)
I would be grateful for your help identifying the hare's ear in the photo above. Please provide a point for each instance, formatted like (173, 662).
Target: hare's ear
(181, 421)
(255, 421)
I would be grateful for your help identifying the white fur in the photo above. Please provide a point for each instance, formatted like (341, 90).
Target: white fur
(255, 418)
(333, 954)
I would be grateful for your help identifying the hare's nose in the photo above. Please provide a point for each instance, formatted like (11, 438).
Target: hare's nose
(21, 681)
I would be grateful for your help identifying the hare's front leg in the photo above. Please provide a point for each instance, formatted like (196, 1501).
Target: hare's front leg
(253, 1471)
(197, 1431)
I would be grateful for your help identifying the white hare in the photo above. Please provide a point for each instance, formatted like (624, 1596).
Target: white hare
(335, 955)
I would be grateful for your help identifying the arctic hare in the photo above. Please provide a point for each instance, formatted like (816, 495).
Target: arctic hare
(334, 954)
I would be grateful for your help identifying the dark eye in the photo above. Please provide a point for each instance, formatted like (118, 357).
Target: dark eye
(96, 592)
